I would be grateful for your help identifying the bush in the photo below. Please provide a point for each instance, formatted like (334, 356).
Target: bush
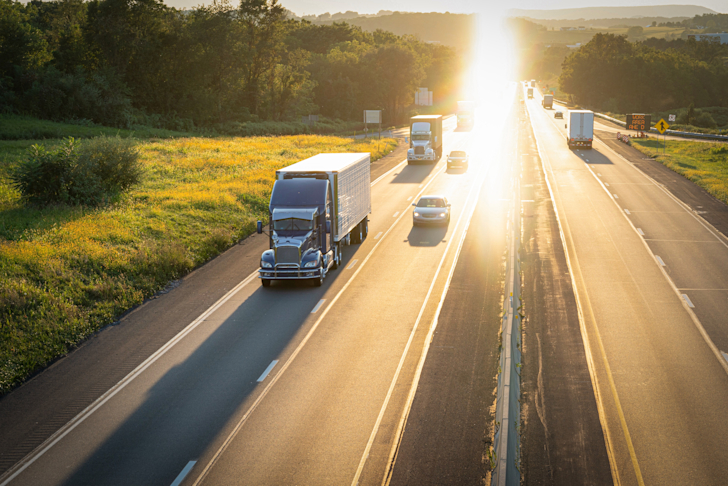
(90, 174)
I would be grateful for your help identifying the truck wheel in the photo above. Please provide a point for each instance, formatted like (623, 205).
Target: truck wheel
(365, 228)
(265, 282)
(356, 234)
(337, 256)
(319, 281)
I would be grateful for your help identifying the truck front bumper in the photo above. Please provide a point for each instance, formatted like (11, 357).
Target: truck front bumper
(415, 158)
(289, 273)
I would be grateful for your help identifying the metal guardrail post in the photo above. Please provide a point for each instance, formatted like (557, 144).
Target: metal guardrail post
(507, 441)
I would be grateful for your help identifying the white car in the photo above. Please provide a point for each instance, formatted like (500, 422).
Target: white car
(431, 210)
(457, 158)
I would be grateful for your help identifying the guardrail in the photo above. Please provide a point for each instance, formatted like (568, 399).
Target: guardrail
(674, 133)
(507, 441)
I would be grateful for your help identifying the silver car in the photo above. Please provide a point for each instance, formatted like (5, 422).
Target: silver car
(431, 210)
(457, 158)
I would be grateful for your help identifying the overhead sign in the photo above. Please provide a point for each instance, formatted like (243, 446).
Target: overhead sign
(423, 97)
(638, 121)
(373, 116)
(662, 126)
(671, 118)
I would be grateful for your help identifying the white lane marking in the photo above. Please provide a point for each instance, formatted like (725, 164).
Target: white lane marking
(627, 211)
(353, 262)
(409, 198)
(599, 174)
(271, 366)
(395, 214)
(615, 196)
(292, 357)
(606, 184)
(639, 230)
(99, 402)
(378, 235)
(587, 160)
(320, 303)
(688, 301)
(181, 476)
(659, 260)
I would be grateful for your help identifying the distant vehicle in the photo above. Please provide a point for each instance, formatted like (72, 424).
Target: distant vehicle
(431, 210)
(548, 101)
(425, 138)
(533, 83)
(457, 158)
(558, 114)
(466, 114)
(581, 128)
(530, 93)
(316, 207)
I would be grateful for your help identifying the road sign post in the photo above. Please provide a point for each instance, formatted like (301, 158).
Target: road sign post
(662, 127)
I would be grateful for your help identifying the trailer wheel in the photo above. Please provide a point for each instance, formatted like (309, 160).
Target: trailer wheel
(365, 228)
(265, 282)
(356, 234)
(337, 256)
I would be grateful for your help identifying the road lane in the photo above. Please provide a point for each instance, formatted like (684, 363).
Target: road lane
(660, 387)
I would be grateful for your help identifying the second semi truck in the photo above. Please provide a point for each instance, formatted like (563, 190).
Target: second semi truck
(548, 101)
(466, 114)
(317, 206)
(425, 139)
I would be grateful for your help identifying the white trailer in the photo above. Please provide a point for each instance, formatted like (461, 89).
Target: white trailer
(580, 128)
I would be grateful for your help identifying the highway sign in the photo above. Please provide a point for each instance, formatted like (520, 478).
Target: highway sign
(373, 116)
(638, 121)
(671, 118)
(662, 126)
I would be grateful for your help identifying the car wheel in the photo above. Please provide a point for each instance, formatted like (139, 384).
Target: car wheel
(265, 282)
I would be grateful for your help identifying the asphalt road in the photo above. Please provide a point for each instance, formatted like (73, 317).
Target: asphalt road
(287, 385)
(651, 280)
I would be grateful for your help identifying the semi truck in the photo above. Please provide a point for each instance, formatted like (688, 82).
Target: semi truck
(317, 206)
(466, 114)
(533, 83)
(530, 93)
(425, 139)
(580, 128)
(548, 101)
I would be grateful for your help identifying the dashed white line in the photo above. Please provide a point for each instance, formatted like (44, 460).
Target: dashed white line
(627, 211)
(183, 474)
(599, 174)
(659, 260)
(270, 367)
(420, 186)
(615, 196)
(687, 301)
(409, 198)
(351, 265)
(395, 214)
(639, 230)
(320, 303)
(606, 184)
(378, 235)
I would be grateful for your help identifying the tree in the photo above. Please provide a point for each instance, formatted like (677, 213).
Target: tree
(635, 31)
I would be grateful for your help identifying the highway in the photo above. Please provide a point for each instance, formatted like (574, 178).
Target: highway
(292, 384)
(651, 278)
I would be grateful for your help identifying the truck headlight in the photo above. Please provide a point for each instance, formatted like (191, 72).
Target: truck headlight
(265, 264)
(311, 264)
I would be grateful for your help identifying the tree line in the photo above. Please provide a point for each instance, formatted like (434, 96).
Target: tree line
(127, 62)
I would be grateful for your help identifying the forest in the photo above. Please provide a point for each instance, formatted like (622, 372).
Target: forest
(123, 63)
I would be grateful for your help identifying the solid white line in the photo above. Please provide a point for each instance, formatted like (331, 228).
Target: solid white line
(659, 260)
(99, 402)
(181, 476)
(688, 301)
(395, 214)
(353, 262)
(639, 230)
(320, 303)
(378, 235)
(270, 367)
(627, 211)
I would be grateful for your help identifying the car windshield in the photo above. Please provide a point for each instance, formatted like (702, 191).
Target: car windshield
(293, 224)
(420, 137)
(431, 202)
(456, 153)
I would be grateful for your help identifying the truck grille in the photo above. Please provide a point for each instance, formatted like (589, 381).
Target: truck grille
(287, 255)
(419, 150)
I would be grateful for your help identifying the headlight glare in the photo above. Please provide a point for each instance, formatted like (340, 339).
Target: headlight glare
(311, 264)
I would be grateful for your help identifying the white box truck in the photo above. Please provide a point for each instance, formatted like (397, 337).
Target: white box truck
(580, 129)
(316, 207)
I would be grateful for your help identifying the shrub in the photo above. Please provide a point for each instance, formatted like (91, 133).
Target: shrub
(90, 174)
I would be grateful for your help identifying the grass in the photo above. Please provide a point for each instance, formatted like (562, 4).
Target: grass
(706, 164)
(572, 37)
(66, 272)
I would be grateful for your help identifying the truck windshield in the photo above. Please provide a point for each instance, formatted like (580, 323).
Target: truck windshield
(420, 137)
(293, 224)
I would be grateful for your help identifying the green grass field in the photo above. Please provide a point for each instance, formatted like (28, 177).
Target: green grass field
(706, 164)
(65, 272)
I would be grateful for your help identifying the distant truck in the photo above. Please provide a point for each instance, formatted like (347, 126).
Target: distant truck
(530, 93)
(533, 83)
(548, 101)
(466, 114)
(425, 139)
(580, 128)
(317, 206)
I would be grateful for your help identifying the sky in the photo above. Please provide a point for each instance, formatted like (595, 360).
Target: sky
(307, 7)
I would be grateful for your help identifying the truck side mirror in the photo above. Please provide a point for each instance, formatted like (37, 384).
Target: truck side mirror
(259, 228)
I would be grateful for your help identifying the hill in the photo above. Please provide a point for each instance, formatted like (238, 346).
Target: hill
(613, 12)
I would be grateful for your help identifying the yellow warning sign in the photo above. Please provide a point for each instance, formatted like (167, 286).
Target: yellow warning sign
(662, 126)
